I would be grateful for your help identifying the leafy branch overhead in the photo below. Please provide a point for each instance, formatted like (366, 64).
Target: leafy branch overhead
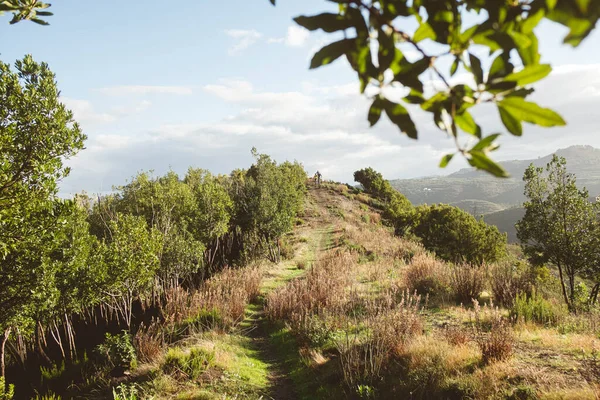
(22, 10)
(374, 43)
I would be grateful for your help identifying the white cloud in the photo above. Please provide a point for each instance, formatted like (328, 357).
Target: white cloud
(144, 90)
(326, 129)
(83, 111)
(244, 39)
(296, 37)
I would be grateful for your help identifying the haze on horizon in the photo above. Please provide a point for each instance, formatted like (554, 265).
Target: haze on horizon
(164, 89)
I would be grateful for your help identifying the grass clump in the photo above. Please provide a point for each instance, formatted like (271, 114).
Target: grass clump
(467, 281)
(192, 365)
(426, 275)
(534, 308)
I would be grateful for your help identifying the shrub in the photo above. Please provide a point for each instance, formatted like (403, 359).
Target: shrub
(467, 282)
(7, 392)
(125, 392)
(426, 275)
(118, 350)
(149, 341)
(388, 325)
(510, 278)
(456, 335)
(455, 235)
(190, 365)
(535, 308)
(497, 345)
(286, 249)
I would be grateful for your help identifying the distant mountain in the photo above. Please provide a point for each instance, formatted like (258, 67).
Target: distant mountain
(481, 194)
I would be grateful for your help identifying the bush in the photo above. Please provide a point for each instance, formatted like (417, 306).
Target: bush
(467, 282)
(190, 365)
(510, 278)
(286, 249)
(118, 351)
(7, 392)
(456, 335)
(457, 236)
(534, 308)
(426, 275)
(497, 345)
(149, 341)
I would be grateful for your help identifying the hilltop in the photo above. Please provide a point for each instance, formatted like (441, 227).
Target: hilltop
(481, 194)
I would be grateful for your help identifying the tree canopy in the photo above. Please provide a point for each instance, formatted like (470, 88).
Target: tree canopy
(561, 226)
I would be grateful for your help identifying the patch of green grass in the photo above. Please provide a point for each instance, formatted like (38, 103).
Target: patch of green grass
(308, 383)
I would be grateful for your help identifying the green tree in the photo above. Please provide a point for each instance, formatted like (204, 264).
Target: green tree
(455, 235)
(37, 133)
(375, 41)
(129, 263)
(560, 226)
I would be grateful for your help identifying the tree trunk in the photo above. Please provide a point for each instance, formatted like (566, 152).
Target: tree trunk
(5, 337)
(564, 289)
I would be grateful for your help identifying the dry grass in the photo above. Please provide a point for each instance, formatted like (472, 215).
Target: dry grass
(321, 288)
(426, 275)
(467, 281)
(387, 327)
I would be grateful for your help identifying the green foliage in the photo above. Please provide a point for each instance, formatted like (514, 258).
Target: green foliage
(455, 235)
(129, 262)
(125, 392)
(7, 392)
(118, 350)
(375, 44)
(37, 135)
(560, 226)
(30, 10)
(534, 308)
(190, 365)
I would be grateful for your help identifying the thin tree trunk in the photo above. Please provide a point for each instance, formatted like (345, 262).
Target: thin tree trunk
(5, 337)
(564, 289)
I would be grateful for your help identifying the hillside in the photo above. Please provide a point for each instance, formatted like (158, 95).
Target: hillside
(338, 319)
(480, 193)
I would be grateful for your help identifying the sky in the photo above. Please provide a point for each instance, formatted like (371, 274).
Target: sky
(198, 84)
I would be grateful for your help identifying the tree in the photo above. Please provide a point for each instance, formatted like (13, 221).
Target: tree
(129, 263)
(37, 133)
(455, 235)
(560, 225)
(375, 43)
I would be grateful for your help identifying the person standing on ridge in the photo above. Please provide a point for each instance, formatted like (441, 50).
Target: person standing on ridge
(318, 178)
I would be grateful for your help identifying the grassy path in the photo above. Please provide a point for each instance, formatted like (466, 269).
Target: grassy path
(313, 238)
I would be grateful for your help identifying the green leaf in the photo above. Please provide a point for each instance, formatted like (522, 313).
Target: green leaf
(466, 122)
(331, 52)
(528, 51)
(513, 125)
(328, 22)
(501, 67)
(446, 159)
(454, 66)
(38, 21)
(530, 74)
(481, 161)
(414, 97)
(425, 31)
(272, 2)
(476, 68)
(532, 21)
(485, 143)
(375, 111)
(400, 117)
(530, 112)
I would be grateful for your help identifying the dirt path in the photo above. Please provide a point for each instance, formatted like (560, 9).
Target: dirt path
(314, 237)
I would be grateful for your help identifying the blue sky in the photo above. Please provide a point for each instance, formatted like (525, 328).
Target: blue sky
(200, 83)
